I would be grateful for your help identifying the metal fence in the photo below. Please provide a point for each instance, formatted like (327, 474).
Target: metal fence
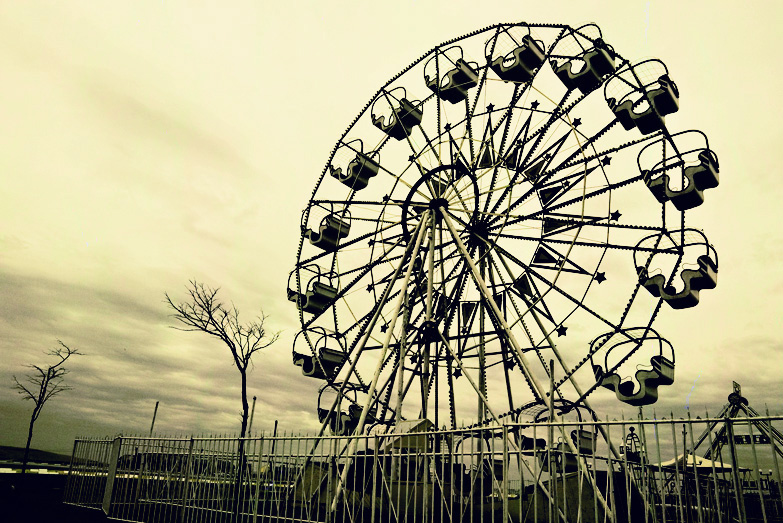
(618, 471)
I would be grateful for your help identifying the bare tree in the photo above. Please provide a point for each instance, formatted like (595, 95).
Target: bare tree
(205, 312)
(41, 384)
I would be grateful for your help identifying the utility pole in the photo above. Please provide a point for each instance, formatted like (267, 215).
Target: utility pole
(154, 414)
(252, 411)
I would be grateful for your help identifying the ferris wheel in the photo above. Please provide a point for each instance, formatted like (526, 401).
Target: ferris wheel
(514, 196)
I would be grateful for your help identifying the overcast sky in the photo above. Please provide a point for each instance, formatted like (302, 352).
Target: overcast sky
(145, 143)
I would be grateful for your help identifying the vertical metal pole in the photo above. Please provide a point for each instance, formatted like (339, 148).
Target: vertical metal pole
(535, 475)
(252, 413)
(563, 461)
(626, 480)
(425, 375)
(611, 499)
(595, 484)
(662, 485)
(258, 478)
(504, 491)
(375, 465)
(677, 481)
(775, 462)
(757, 469)
(695, 468)
(186, 480)
(67, 497)
(739, 496)
(649, 507)
(114, 456)
(154, 415)
(717, 510)
(551, 435)
(482, 380)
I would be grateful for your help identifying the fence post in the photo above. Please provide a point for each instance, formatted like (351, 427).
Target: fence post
(375, 465)
(69, 483)
(738, 494)
(258, 478)
(113, 458)
(775, 462)
(504, 485)
(185, 482)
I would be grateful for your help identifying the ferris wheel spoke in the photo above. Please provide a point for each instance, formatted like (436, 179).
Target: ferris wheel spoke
(574, 160)
(569, 371)
(542, 179)
(521, 138)
(535, 345)
(431, 147)
(534, 162)
(505, 118)
(536, 388)
(572, 201)
(535, 169)
(534, 270)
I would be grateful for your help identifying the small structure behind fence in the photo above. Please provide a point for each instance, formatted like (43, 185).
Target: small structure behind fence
(629, 470)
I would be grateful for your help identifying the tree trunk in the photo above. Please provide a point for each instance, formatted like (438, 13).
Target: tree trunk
(245, 406)
(238, 486)
(27, 445)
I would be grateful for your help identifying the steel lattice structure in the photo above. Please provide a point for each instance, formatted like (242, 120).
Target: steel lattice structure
(514, 196)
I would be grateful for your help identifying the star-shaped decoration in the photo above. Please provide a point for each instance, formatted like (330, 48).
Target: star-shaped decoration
(615, 216)
(414, 359)
(447, 127)
(371, 242)
(490, 107)
(411, 157)
(509, 363)
(369, 288)
(561, 330)
(577, 122)
(385, 198)
(534, 105)
(384, 327)
(606, 160)
(457, 373)
(600, 277)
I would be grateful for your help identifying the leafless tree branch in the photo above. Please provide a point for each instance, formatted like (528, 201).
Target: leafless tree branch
(205, 312)
(42, 384)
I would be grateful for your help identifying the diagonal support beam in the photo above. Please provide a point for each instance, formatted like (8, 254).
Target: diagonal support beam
(360, 346)
(525, 366)
(511, 442)
(376, 377)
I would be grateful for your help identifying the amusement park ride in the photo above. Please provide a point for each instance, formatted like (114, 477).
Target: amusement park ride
(514, 196)
(493, 236)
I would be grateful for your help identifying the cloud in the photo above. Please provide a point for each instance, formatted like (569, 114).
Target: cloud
(132, 359)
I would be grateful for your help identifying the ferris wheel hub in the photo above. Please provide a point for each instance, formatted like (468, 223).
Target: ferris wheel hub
(439, 203)
(442, 189)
